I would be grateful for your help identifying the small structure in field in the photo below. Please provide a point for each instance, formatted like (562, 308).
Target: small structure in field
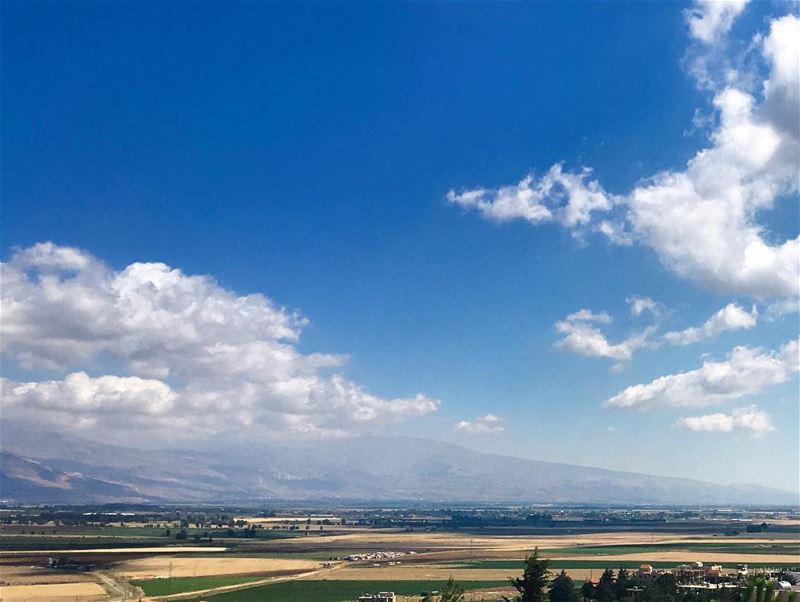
(379, 597)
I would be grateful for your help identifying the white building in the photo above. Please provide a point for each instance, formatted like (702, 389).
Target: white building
(379, 597)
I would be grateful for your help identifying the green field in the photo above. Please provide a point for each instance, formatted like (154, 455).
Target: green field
(122, 537)
(44, 542)
(336, 591)
(177, 585)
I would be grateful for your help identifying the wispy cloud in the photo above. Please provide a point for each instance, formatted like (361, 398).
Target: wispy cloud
(730, 317)
(708, 20)
(640, 305)
(484, 425)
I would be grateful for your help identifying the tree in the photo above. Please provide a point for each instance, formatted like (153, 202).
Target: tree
(605, 588)
(759, 590)
(451, 592)
(663, 588)
(623, 581)
(534, 579)
(587, 590)
(562, 589)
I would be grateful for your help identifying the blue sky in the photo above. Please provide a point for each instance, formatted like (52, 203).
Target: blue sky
(306, 152)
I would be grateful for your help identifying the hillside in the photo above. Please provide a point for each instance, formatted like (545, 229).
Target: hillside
(52, 467)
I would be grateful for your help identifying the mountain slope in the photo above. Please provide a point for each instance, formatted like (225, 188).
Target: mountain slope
(55, 467)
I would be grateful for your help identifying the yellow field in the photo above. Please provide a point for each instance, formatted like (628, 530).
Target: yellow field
(394, 539)
(148, 568)
(86, 591)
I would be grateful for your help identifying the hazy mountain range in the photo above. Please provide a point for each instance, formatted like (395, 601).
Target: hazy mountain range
(47, 467)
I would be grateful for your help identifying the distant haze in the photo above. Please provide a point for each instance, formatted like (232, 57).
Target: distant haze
(58, 468)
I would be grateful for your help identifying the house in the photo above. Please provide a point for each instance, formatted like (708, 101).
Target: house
(379, 597)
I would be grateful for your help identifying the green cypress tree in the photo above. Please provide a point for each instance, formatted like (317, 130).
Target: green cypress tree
(534, 579)
(451, 592)
(562, 589)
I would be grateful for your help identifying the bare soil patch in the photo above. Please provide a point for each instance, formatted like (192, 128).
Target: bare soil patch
(86, 591)
(160, 566)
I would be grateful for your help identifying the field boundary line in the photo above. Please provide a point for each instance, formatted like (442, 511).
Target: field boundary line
(240, 586)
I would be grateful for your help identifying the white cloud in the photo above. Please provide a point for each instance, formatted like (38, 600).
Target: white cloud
(484, 425)
(746, 372)
(583, 337)
(781, 47)
(586, 315)
(783, 307)
(79, 393)
(730, 317)
(639, 305)
(747, 419)
(710, 19)
(564, 197)
(188, 353)
(701, 221)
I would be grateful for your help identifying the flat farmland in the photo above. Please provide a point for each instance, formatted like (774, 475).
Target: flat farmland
(87, 591)
(295, 568)
(167, 587)
(339, 591)
(386, 538)
(38, 584)
(200, 566)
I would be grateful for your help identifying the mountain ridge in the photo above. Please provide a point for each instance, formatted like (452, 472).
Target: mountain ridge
(368, 468)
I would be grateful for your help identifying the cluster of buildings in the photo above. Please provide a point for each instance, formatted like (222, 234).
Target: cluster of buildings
(697, 576)
(377, 556)
(379, 597)
(699, 573)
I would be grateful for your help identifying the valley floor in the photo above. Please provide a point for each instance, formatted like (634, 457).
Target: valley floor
(132, 562)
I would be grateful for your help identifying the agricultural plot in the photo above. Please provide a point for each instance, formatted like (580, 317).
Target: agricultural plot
(713, 547)
(50, 538)
(338, 591)
(165, 587)
(201, 566)
(54, 592)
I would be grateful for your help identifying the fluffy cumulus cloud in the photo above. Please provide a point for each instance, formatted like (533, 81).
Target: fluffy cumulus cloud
(186, 353)
(702, 220)
(749, 418)
(746, 371)
(83, 398)
(484, 425)
(730, 317)
(581, 334)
